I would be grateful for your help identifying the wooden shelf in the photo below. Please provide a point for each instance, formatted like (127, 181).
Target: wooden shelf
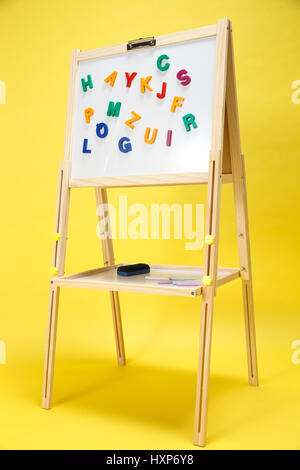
(107, 279)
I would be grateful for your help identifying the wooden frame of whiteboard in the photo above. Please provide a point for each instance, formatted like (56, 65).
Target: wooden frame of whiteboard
(143, 180)
(226, 165)
(165, 179)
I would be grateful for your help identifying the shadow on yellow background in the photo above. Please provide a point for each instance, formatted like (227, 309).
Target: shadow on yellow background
(150, 402)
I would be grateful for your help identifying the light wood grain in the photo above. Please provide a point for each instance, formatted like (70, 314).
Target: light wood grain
(212, 228)
(50, 348)
(59, 248)
(241, 212)
(165, 40)
(145, 180)
(106, 278)
(109, 260)
(65, 190)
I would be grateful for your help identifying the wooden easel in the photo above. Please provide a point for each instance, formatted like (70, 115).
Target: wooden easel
(226, 165)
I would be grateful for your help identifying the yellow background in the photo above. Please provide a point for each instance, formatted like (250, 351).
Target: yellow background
(150, 403)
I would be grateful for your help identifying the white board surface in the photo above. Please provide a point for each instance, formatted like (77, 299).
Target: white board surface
(189, 151)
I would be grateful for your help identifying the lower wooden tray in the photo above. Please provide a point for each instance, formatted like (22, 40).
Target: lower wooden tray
(107, 279)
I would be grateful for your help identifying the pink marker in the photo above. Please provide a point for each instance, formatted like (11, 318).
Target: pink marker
(165, 282)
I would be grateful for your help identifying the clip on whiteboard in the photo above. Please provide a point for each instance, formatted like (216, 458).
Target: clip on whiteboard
(142, 42)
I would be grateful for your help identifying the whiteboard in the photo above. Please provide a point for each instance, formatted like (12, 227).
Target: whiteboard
(189, 150)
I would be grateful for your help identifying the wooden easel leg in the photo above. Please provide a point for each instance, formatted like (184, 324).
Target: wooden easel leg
(250, 332)
(59, 245)
(109, 259)
(211, 228)
(116, 314)
(241, 212)
(50, 348)
(58, 261)
(203, 368)
(246, 271)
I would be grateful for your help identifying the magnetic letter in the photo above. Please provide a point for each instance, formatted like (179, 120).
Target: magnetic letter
(85, 147)
(111, 78)
(176, 102)
(162, 94)
(131, 120)
(101, 130)
(161, 67)
(189, 120)
(183, 77)
(125, 147)
(129, 78)
(88, 112)
(169, 138)
(114, 109)
(146, 136)
(86, 83)
(145, 84)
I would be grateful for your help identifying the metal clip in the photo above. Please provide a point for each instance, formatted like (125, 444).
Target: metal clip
(142, 42)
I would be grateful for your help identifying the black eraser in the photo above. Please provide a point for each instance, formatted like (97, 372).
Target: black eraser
(133, 269)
